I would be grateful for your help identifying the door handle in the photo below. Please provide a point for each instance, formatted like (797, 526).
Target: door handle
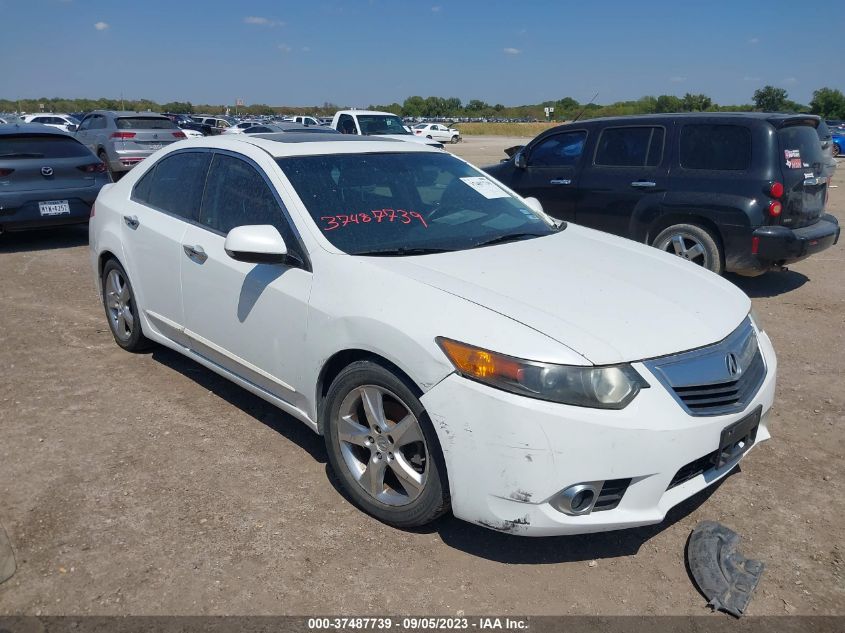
(560, 181)
(195, 252)
(131, 221)
(644, 184)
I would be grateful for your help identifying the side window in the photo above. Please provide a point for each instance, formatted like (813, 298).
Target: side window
(98, 122)
(238, 195)
(560, 150)
(718, 147)
(630, 147)
(176, 185)
(86, 123)
(346, 125)
(141, 190)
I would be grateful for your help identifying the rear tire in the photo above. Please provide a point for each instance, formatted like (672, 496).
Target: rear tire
(455, 139)
(121, 308)
(382, 447)
(693, 243)
(836, 150)
(104, 157)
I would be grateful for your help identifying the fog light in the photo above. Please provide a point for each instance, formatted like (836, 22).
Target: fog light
(578, 499)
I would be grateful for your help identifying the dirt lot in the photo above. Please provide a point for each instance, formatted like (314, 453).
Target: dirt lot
(144, 484)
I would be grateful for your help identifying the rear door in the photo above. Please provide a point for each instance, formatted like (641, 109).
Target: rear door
(145, 133)
(163, 203)
(802, 166)
(551, 173)
(628, 169)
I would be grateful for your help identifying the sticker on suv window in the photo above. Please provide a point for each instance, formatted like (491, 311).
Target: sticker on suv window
(485, 187)
(793, 158)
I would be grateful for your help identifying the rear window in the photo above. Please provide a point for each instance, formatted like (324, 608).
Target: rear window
(716, 147)
(145, 123)
(41, 146)
(800, 146)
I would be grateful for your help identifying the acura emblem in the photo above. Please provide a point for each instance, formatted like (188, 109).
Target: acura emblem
(46, 171)
(732, 364)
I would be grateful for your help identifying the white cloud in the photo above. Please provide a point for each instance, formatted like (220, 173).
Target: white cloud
(754, 40)
(306, 49)
(436, 9)
(748, 78)
(101, 26)
(257, 20)
(511, 51)
(285, 48)
(790, 80)
(677, 79)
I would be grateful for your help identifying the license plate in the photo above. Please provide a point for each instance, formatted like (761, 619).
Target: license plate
(54, 207)
(154, 146)
(738, 437)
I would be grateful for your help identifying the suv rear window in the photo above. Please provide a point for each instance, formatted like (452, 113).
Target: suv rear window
(41, 146)
(803, 138)
(144, 123)
(717, 147)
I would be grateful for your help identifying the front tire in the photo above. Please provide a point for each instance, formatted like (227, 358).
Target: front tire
(455, 139)
(383, 448)
(121, 308)
(693, 243)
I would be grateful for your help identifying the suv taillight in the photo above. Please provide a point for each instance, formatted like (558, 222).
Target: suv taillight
(179, 135)
(775, 208)
(93, 168)
(776, 190)
(123, 135)
(6, 172)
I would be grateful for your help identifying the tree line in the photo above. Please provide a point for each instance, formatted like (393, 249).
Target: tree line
(827, 102)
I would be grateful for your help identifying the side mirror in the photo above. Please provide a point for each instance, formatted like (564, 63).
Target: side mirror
(534, 205)
(520, 161)
(71, 127)
(256, 244)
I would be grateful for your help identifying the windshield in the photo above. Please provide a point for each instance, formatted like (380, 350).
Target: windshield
(41, 146)
(407, 203)
(381, 124)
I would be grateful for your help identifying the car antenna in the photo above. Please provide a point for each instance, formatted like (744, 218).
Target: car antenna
(585, 107)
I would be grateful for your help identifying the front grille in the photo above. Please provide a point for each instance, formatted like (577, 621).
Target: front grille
(611, 494)
(714, 380)
(705, 399)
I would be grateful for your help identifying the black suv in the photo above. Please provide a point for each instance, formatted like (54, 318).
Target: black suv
(742, 192)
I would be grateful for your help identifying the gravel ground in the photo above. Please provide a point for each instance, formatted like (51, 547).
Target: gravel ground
(145, 484)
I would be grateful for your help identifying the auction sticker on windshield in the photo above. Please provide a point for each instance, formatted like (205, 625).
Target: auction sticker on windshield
(54, 207)
(485, 187)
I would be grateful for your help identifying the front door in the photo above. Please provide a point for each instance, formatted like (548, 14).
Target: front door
(551, 174)
(248, 318)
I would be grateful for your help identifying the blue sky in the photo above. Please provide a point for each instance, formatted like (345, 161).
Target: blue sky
(365, 52)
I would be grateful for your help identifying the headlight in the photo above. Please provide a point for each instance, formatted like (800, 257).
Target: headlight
(609, 387)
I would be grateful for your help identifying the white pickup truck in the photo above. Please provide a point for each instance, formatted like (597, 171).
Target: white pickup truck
(372, 123)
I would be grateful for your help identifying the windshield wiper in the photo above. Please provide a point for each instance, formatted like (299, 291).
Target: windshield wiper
(511, 237)
(22, 155)
(403, 250)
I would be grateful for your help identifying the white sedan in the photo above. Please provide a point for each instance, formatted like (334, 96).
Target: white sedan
(438, 132)
(455, 346)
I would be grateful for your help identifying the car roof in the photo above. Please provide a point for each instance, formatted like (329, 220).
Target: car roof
(355, 112)
(776, 118)
(120, 113)
(304, 144)
(31, 128)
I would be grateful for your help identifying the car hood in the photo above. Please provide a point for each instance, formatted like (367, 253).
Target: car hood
(609, 299)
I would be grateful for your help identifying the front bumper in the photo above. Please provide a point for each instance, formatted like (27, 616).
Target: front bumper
(782, 245)
(508, 456)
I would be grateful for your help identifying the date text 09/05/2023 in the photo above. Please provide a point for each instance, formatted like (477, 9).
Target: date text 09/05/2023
(414, 623)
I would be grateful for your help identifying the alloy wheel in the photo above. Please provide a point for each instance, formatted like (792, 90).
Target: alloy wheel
(686, 247)
(382, 445)
(119, 305)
